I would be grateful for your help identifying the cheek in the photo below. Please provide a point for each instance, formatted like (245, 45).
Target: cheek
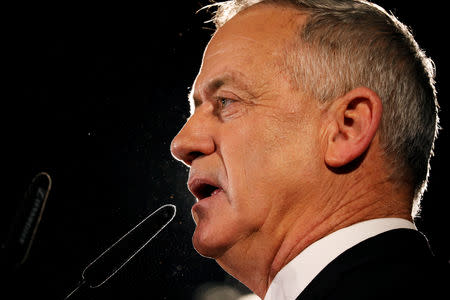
(245, 153)
(248, 156)
(268, 157)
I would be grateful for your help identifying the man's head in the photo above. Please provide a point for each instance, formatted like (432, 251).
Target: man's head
(291, 126)
(248, 129)
(346, 44)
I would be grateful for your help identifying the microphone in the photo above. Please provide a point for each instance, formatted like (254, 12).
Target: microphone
(124, 249)
(26, 222)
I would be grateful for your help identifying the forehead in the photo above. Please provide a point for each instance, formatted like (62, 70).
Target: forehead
(251, 44)
(263, 20)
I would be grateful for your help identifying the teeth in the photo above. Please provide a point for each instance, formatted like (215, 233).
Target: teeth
(207, 191)
(216, 191)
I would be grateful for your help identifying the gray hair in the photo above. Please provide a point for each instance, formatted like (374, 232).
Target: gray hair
(349, 43)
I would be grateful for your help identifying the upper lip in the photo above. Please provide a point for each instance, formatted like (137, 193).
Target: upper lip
(202, 187)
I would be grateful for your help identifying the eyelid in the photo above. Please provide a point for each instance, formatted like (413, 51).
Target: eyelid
(225, 110)
(219, 99)
(226, 95)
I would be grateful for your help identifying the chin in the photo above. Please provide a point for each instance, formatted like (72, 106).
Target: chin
(217, 230)
(207, 245)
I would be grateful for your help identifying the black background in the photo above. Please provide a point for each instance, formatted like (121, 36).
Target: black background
(93, 96)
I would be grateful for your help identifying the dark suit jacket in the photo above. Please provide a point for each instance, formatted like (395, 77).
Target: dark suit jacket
(397, 264)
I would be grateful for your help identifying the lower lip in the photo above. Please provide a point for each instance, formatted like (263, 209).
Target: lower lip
(215, 195)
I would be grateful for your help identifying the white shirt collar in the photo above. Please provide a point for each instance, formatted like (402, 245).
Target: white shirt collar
(293, 278)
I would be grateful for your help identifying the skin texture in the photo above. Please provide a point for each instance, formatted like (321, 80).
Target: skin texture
(288, 170)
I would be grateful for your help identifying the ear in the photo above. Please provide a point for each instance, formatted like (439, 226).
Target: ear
(354, 120)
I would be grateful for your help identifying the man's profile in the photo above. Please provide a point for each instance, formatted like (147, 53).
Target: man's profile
(312, 127)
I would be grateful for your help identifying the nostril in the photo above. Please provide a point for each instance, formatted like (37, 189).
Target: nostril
(192, 155)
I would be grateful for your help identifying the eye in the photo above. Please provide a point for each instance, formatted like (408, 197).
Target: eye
(224, 102)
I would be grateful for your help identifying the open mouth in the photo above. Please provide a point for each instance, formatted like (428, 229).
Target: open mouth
(202, 190)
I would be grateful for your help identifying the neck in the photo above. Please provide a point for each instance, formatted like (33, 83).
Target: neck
(256, 259)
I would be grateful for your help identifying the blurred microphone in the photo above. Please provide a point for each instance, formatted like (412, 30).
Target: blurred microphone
(124, 249)
(17, 246)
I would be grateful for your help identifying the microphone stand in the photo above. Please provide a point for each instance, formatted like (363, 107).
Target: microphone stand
(123, 250)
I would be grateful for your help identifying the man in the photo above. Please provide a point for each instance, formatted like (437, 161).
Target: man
(312, 127)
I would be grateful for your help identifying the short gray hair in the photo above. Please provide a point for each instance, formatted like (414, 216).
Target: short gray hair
(365, 46)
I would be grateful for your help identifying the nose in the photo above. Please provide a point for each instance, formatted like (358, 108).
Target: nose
(194, 140)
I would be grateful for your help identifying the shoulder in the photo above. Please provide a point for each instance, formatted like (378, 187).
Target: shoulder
(397, 264)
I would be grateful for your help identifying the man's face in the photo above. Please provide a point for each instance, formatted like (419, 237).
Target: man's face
(252, 139)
